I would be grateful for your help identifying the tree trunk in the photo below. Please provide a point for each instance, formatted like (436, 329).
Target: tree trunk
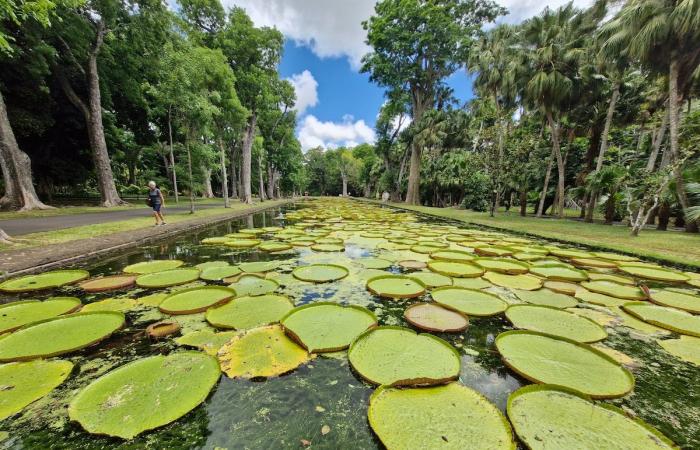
(523, 203)
(344, 177)
(658, 140)
(172, 156)
(664, 216)
(247, 159)
(554, 126)
(234, 178)
(261, 186)
(224, 178)
(191, 180)
(270, 182)
(16, 168)
(413, 192)
(208, 191)
(545, 188)
(610, 209)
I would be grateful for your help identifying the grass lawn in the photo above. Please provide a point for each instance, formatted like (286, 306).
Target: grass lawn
(668, 246)
(101, 229)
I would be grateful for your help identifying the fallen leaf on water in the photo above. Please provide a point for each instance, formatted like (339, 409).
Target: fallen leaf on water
(320, 408)
(325, 430)
(305, 443)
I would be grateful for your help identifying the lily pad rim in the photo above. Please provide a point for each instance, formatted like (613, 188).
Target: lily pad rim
(85, 274)
(665, 326)
(394, 276)
(435, 330)
(335, 266)
(553, 308)
(197, 310)
(479, 291)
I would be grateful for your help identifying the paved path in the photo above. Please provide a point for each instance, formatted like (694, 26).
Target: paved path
(18, 227)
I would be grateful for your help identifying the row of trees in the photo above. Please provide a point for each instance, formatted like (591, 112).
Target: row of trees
(573, 108)
(99, 96)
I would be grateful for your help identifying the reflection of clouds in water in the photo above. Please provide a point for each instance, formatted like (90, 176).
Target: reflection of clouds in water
(493, 385)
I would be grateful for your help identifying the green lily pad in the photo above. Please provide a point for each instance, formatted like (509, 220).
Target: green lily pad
(111, 283)
(219, 273)
(456, 269)
(657, 274)
(209, 264)
(432, 279)
(253, 284)
(598, 299)
(17, 314)
(555, 322)
(398, 356)
(557, 273)
(395, 286)
(493, 250)
(59, 335)
(247, 312)
(242, 243)
(597, 276)
(273, 247)
(375, 263)
(327, 327)
(145, 394)
(259, 266)
(452, 255)
(445, 417)
(320, 273)
(615, 289)
(679, 300)
(615, 257)
(686, 348)
(168, 278)
(553, 360)
(43, 281)
(207, 340)
(570, 253)
(546, 416)
(594, 263)
(196, 300)
(328, 247)
(681, 322)
(562, 287)
(524, 282)
(261, 352)
(159, 265)
(25, 382)
(546, 297)
(471, 283)
(120, 304)
(432, 317)
(471, 302)
(502, 265)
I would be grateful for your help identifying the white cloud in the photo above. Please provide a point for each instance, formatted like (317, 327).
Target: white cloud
(306, 89)
(348, 133)
(519, 10)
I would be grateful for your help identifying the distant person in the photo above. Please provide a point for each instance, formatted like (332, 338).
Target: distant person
(156, 201)
(385, 197)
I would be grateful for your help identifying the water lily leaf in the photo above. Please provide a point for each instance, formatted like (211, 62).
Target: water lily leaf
(196, 300)
(206, 340)
(218, 273)
(247, 312)
(395, 286)
(570, 253)
(43, 281)
(59, 335)
(546, 297)
(253, 284)
(593, 262)
(598, 299)
(562, 287)
(502, 265)
(111, 283)
(259, 266)
(145, 394)
(375, 263)
(493, 250)
(328, 247)
(210, 264)
(273, 247)
(657, 274)
(681, 322)
(320, 273)
(411, 264)
(615, 289)
(471, 302)
(597, 276)
(168, 278)
(686, 348)
(546, 416)
(327, 327)
(557, 273)
(159, 265)
(615, 257)
(471, 283)
(432, 279)
(398, 356)
(432, 317)
(120, 304)
(17, 314)
(679, 300)
(445, 417)
(524, 282)
(456, 269)
(261, 352)
(546, 359)
(452, 255)
(25, 382)
(555, 322)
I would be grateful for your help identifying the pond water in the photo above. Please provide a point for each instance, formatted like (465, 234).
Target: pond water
(324, 403)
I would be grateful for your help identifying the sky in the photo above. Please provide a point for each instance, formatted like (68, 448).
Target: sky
(336, 104)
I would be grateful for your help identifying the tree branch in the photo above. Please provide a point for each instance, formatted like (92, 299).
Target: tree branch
(71, 94)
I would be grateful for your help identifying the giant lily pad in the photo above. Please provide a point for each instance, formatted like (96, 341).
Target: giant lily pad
(328, 247)
(432, 317)
(598, 299)
(261, 352)
(557, 273)
(654, 273)
(555, 322)
(546, 417)
(206, 340)
(17, 314)
(375, 263)
(469, 301)
(43, 281)
(59, 335)
(615, 257)
(120, 304)
(398, 356)
(25, 382)
(679, 300)
(105, 284)
(259, 266)
(546, 297)
(273, 247)
(432, 279)
(247, 312)
(159, 265)
(445, 417)
(471, 283)
(253, 284)
(593, 262)
(615, 289)
(196, 300)
(168, 278)
(327, 327)
(145, 394)
(219, 273)
(452, 255)
(562, 287)
(681, 322)
(686, 348)
(546, 359)
(598, 276)
(242, 243)
(395, 286)
(493, 250)
(456, 269)
(320, 273)
(570, 253)
(503, 265)
(524, 282)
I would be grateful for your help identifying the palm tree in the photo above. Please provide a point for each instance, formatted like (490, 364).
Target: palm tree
(664, 36)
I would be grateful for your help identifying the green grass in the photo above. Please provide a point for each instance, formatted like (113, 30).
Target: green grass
(673, 247)
(102, 229)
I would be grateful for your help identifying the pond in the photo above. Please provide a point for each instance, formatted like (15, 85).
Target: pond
(323, 401)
